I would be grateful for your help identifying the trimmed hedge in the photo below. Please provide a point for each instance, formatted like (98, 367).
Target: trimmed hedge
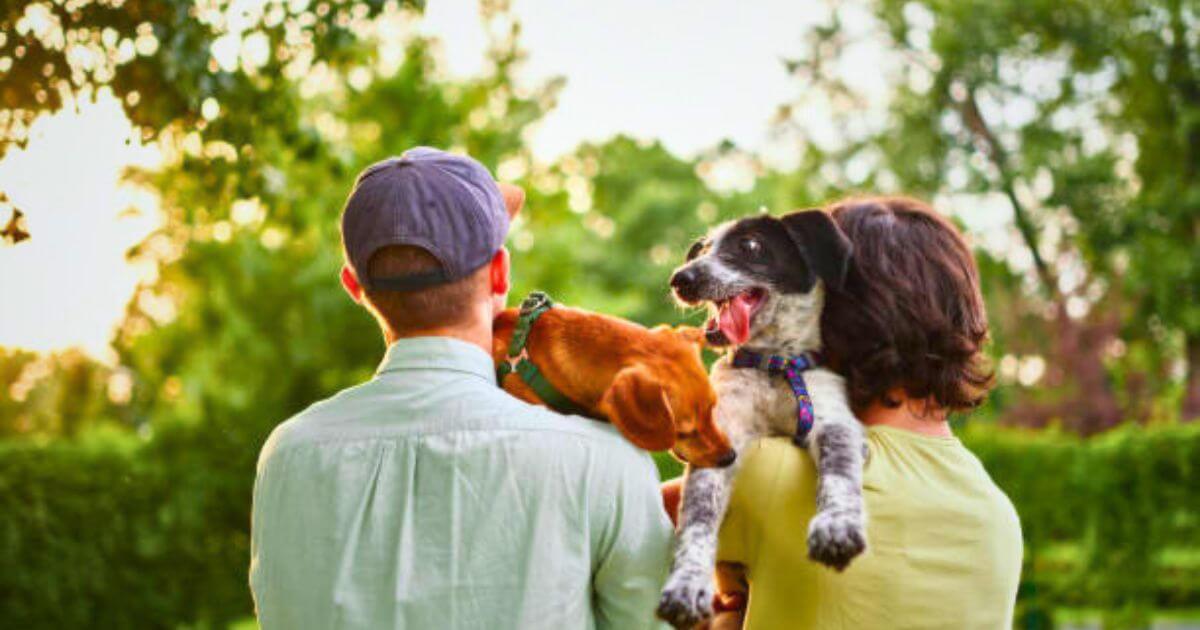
(1111, 523)
(115, 532)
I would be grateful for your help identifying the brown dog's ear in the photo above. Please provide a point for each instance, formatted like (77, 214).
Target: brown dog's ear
(822, 243)
(636, 404)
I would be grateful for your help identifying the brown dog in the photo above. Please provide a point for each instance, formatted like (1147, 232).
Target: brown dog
(649, 383)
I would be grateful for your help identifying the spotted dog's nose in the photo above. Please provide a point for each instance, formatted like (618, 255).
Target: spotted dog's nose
(684, 282)
(683, 278)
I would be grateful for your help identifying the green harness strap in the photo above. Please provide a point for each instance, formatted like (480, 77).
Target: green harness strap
(532, 308)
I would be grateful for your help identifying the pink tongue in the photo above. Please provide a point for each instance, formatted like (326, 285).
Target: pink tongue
(734, 319)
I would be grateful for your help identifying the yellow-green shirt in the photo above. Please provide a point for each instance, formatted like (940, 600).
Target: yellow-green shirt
(944, 542)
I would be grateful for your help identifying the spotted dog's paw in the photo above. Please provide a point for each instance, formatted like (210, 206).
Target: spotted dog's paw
(686, 599)
(835, 537)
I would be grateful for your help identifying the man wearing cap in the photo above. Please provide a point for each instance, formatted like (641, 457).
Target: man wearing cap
(427, 497)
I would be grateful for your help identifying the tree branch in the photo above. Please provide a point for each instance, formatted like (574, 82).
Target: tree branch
(973, 119)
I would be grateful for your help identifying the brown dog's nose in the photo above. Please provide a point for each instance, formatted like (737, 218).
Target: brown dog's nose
(727, 459)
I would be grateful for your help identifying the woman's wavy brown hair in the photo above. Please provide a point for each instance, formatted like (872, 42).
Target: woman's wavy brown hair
(910, 315)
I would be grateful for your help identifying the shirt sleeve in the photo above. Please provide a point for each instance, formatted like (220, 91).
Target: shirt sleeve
(635, 547)
(258, 574)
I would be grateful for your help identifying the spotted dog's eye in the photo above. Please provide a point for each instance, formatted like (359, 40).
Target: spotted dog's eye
(696, 248)
(752, 247)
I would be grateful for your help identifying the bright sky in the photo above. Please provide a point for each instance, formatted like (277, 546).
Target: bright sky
(690, 72)
(68, 285)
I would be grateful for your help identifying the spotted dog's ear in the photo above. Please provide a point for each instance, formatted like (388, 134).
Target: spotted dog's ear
(822, 243)
(636, 404)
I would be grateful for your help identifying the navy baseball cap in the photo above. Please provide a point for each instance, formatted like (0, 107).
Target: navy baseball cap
(446, 204)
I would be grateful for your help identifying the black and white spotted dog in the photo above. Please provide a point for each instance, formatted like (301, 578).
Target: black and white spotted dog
(765, 279)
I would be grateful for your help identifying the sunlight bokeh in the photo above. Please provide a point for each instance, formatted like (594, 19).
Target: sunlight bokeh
(68, 285)
(171, 284)
(720, 65)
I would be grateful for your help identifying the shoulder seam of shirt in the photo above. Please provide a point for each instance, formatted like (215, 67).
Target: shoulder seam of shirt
(396, 438)
(429, 368)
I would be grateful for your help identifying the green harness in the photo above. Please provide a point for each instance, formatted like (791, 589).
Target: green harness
(518, 361)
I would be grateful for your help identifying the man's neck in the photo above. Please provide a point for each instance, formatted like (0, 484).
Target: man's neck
(910, 415)
(479, 335)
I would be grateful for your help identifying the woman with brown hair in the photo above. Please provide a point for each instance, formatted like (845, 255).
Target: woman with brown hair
(944, 541)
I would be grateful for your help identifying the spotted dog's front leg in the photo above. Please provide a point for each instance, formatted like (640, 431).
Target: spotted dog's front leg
(838, 531)
(687, 596)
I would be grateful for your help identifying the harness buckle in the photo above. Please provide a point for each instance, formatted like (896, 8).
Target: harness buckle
(535, 301)
(517, 360)
(514, 360)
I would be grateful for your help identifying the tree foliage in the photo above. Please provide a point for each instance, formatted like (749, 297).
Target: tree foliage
(1082, 119)
(1079, 119)
(258, 326)
(161, 58)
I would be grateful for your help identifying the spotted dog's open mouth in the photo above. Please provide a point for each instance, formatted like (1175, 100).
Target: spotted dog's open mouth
(730, 325)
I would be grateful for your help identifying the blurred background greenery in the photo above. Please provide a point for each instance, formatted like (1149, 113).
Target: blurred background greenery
(1062, 135)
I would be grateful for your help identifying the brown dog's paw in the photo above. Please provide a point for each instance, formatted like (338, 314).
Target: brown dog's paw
(837, 537)
(686, 600)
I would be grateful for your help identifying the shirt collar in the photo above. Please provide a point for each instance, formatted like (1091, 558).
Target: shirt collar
(438, 353)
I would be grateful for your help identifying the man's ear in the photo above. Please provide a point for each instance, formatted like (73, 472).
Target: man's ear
(351, 285)
(636, 404)
(499, 272)
(823, 244)
(514, 198)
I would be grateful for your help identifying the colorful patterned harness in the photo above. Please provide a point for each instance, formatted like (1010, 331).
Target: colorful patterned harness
(792, 369)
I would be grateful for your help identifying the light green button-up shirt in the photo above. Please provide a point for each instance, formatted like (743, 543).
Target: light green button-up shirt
(430, 498)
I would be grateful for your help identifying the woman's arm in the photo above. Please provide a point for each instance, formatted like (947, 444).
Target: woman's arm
(732, 593)
(732, 588)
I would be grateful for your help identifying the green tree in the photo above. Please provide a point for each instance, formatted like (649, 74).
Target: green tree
(249, 252)
(608, 223)
(158, 57)
(174, 64)
(57, 394)
(1083, 117)
(245, 323)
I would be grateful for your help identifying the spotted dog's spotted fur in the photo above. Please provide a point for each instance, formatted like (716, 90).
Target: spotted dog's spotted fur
(786, 264)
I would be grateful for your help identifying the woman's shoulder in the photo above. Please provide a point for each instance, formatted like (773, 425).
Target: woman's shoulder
(764, 457)
(775, 483)
(770, 467)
